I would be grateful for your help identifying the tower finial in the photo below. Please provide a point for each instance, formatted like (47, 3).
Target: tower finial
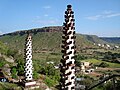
(69, 6)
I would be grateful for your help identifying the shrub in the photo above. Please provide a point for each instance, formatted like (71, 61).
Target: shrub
(35, 75)
(103, 64)
(14, 72)
(2, 61)
(11, 52)
(20, 64)
(50, 82)
(48, 69)
(20, 68)
(81, 57)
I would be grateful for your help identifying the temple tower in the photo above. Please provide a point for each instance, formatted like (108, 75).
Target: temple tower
(28, 59)
(67, 81)
(29, 82)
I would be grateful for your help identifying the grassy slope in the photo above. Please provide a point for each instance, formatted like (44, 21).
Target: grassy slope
(49, 41)
(95, 39)
(112, 65)
(9, 86)
(115, 40)
(3, 48)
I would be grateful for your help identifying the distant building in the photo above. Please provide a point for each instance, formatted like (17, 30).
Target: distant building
(99, 45)
(108, 45)
(102, 45)
(116, 46)
(86, 64)
(83, 66)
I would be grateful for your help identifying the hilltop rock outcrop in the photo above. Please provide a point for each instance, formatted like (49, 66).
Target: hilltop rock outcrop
(36, 30)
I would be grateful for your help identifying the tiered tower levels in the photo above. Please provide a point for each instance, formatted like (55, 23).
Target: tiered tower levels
(28, 59)
(68, 61)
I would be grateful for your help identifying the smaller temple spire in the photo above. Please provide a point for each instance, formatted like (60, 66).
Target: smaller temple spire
(28, 59)
(29, 82)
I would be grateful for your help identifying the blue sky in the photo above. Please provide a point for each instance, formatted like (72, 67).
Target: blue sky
(96, 17)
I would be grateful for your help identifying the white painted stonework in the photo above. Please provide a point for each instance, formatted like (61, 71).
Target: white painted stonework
(30, 83)
(28, 59)
(68, 61)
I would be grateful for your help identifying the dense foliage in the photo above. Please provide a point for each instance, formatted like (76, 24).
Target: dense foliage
(2, 62)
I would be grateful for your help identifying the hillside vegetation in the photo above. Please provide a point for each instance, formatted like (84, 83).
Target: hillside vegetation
(115, 40)
(3, 48)
(46, 39)
(47, 43)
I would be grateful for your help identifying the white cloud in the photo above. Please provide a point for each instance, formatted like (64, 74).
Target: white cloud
(96, 17)
(113, 15)
(46, 22)
(46, 15)
(37, 17)
(105, 14)
(47, 7)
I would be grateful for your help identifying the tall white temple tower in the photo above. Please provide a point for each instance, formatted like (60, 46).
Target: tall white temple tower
(67, 81)
(28, 62)
(28, 59)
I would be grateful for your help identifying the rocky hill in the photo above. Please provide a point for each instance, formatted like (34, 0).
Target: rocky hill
(115, 40)
(47, 39)
(36, 30)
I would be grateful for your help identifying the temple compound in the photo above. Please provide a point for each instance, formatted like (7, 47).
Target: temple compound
(67, 81)
(67, 68)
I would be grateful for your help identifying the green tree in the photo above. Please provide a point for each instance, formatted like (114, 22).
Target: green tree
(12, 52)
(35, 75)
(48, 69)
(3, 48)
(2, 61)
(52, 75)
(103, 64)
(14, 72)
(50, 82)
(20, 68)
(108, 86)
(20, 64)
(81, 57)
